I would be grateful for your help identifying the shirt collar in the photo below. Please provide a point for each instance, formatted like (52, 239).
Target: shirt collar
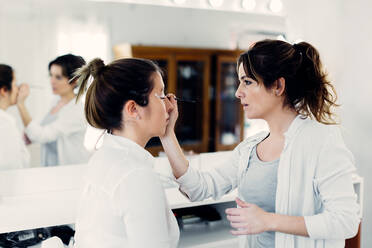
(129, 147)
(295, 126)
(6, 115)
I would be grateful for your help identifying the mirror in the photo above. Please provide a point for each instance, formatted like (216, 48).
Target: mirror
(35, 32)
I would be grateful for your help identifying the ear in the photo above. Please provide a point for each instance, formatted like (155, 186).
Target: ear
(73, 83)
(279, 86)
(131, 110)
(3, 92)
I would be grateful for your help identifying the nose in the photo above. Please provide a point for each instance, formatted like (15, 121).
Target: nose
(239, 93)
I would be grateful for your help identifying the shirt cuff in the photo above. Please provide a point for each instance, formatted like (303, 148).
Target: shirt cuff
(30, 129)
(316, 227)
(189, 181)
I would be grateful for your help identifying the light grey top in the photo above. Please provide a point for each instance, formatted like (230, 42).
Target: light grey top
(258, 186)
(49, 153)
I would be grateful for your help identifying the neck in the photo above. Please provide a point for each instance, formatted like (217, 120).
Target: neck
(280, 120)
(67, 97)
(4, 105)
(133, 133)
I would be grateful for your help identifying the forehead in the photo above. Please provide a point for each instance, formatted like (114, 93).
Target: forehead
(241, 71)
(56, 69)
(158, 81)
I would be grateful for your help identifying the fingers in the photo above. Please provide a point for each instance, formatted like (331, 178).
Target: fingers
(238, 225)
(172, 98)
(239, 232)
(235, 218)
(233, 211)
(241, 203)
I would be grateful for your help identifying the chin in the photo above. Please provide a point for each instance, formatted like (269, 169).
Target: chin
(252, 116)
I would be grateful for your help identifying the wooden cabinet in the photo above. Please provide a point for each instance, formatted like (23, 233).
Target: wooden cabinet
(215, 121)
(229, 112)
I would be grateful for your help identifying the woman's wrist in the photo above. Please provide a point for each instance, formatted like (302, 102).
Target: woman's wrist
(271, 222)
(168, 136)
(20, 104)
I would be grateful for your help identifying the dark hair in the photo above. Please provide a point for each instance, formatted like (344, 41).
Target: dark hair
(69, 63)
(307, 89)
(6, 76)
(113, 85)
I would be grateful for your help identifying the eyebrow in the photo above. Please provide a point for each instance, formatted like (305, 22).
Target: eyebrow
(242, 77)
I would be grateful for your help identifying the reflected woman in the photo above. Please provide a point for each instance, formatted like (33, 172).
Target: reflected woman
(123, 203)
(13, 152)
(61, 132)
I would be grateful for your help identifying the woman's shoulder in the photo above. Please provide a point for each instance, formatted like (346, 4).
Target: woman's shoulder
(315, 129)
(73, 107)
(109, 168)
(252, 140)
(315, 135)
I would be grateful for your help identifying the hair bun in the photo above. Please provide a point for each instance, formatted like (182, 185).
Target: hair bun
(95, 66)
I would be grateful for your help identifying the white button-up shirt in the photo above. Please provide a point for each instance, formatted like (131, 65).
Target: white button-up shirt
(123, 203)
(68, 130)
(13, 152)
(314, 181)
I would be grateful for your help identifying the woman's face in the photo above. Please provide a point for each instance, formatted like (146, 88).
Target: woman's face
(156, 115)
(258, 102)
(59, 82)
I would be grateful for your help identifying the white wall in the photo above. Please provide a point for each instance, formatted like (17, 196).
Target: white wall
(341, 30)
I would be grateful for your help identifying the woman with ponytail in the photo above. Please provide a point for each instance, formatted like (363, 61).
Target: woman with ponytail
(294, 183)
(123, 203)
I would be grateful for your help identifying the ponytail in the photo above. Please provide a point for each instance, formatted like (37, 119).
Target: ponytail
(307, 89)
(82, 78)
(320, 95)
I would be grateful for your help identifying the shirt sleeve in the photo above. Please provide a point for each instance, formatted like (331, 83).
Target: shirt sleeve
(215, 182)
(333, 185)
(66, 123)
(141, 202)
(13, 152)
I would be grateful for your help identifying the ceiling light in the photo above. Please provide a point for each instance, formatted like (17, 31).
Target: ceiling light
(179, 1)
(276, 6)
(216, 3)
(248, 4)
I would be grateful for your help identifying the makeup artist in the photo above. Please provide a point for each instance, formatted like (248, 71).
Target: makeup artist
(61, 132)
(294, 182)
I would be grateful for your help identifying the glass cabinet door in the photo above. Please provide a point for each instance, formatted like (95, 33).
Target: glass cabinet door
(229, 114)
(192, 83)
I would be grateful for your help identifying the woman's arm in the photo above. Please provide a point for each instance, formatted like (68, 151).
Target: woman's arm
(251, 219)
(170, 143)
(197, 184)
(24, 91)
(333, 186)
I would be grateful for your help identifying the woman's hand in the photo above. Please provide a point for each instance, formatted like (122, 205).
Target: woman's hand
(23, 92)
(172, 109)
(248, 219)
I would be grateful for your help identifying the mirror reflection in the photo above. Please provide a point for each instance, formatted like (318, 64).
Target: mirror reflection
(41, 122)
